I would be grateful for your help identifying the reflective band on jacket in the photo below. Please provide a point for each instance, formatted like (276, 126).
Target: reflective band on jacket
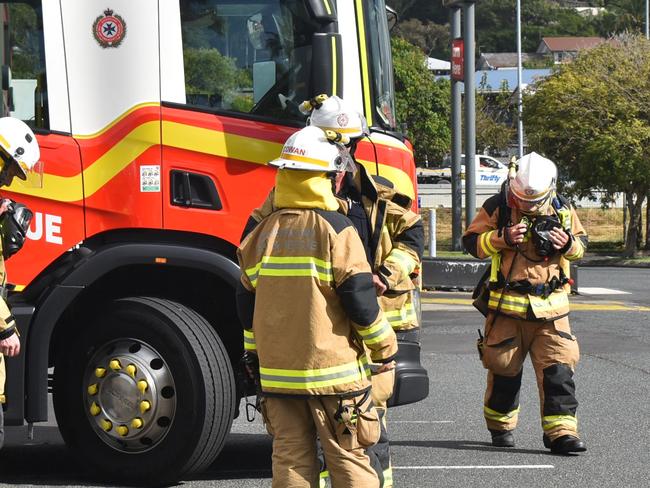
(551, 421)
(388, 477)
(403, 260)
(508, 302)
(375, 333)
(303, 379)
(290, 266)
(498, 416)
(578, 253)
(486, 246)
(405, 315)
(249, 340)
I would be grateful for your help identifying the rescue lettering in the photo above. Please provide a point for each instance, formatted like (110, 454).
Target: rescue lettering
(47, 224)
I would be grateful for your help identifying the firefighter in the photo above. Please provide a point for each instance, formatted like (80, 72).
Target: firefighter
(19, 155)
(393, 239)
(531, 234)
(308, 306)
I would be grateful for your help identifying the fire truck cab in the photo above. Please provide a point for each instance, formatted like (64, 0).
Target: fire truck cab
(155, 120)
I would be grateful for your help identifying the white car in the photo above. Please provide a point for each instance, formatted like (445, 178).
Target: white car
(490, 171)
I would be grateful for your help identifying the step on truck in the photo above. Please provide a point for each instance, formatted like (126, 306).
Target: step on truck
(155, 120)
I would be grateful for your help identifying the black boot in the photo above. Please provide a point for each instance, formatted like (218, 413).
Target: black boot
(502, 438)
(565, 444)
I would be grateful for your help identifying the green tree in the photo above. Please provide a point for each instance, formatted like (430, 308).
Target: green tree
(422, 103)
(494, 115)
(431, 38)
(592, 117)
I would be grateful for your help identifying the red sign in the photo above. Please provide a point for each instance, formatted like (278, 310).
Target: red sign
(457, 59)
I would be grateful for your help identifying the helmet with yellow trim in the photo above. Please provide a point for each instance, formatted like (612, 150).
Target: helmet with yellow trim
(332, 113)
(312, 149)
(533, 185)
(19, 153)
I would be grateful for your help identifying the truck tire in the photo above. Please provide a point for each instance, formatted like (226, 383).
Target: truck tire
(146, 393)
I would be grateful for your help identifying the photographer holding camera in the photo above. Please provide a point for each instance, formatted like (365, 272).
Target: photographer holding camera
(19, 157)
(531, 234)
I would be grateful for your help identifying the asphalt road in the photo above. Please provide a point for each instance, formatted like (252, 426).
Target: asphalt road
(442, 441)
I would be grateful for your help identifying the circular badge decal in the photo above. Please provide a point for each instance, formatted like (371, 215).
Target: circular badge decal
(342, 120)
(109, 29)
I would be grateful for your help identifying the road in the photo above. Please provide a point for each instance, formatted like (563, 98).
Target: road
(442, 441)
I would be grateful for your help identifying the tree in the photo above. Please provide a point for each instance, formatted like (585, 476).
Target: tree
(494, 116)
(432, 39)
(591, 117)
(422, 103)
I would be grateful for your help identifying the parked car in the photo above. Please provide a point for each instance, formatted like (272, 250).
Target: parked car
(490, 171)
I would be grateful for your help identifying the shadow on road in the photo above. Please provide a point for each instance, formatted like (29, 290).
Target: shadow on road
(466, 446)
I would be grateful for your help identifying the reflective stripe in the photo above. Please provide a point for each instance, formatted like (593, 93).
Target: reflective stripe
(290, 266)
(555, 301)
(578, 253)
(249, 340)
(375, 333)
(402, 259)
(486, 246)
(508, 302)
(498, 416)
(496, 266)
(402, 316)
(302, 379)
(551, 421)
(322, 482)
(388, 477)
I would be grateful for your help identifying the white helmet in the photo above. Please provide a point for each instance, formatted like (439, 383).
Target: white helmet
(332, 113)
(533, 184)
(312, 149)
(19, 153)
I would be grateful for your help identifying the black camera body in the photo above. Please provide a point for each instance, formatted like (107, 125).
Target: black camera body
(540, 231)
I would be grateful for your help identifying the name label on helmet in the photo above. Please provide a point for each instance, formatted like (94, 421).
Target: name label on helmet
(294, 150)
(46, 225)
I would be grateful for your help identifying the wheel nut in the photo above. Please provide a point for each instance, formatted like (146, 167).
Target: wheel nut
(123, 430)
(142, 386)
(92, 389)
(106, 425)
(95, 410)
(145, 406)
(115, 364)
(137, 423)
(131, 370)
(100, 372)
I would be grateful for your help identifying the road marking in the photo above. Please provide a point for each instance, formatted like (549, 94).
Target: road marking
(420, 421)
(507, 466)
(594, 290)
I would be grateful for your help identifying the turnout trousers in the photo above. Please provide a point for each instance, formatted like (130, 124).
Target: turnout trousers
(295, 424)
(382, 390)
(554, 353)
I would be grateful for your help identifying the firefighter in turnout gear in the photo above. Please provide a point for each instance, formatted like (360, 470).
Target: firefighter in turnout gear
(531, 234)
(19, 157)
(393, 239)
(309, 311)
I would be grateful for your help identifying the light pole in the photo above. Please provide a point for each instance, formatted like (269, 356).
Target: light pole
(647, 19)
(520, 122)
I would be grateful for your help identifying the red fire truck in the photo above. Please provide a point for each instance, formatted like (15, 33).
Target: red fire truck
(155, 120)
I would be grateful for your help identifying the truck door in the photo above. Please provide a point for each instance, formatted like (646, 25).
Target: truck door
(34, 89)
(231, 89)
(113, 69)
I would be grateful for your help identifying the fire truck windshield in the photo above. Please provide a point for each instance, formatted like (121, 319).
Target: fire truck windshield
(247, 56)
(381, 68)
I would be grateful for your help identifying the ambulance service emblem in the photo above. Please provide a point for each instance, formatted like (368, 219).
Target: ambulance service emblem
(109, 29)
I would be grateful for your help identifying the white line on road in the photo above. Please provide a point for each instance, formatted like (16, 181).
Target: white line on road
(587, 290)
(420, 421)
(513, 466)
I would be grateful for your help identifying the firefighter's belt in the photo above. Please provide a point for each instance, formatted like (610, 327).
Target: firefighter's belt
(543, 290)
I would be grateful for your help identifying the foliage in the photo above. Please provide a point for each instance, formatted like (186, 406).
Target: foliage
(431, 38)
(494, 118)
(25, 41)
(592, 118)
(422, 103)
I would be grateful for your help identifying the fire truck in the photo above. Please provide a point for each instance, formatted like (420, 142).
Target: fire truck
(156, 119)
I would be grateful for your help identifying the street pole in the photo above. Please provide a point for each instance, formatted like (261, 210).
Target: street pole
(456, 142)
(647, 19)
(470, 114)
(520, 122)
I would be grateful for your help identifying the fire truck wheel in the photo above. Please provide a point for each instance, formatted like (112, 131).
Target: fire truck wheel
(147, 392)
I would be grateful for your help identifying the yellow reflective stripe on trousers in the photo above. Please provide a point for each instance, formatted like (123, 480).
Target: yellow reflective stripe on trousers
(498, 416)
(249, 340)
(402, 259)
(301, 379)
(404, 315)
(375, 333)
(486, 246)
(388, 478)
(508, 302)
(551, 421)
(290, 266)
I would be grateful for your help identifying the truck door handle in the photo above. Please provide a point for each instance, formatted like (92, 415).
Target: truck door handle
(194, 190)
